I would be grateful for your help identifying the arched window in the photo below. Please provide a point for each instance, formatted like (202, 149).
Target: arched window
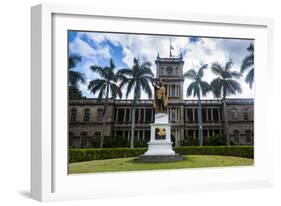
(73, 114)
(236, 136)
(70, 139)
(246, 114)
(249, 136)
(86, 115)
(83, 137)
(234, 114)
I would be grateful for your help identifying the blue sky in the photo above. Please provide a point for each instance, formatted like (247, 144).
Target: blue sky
(96, 48)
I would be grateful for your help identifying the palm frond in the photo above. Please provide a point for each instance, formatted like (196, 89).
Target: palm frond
(234, 74)
(216, 87)
(102, 92)
(205, 87)
(75, 77)
(73, 60)
(115, 91)
(232, 87)
(228, 65)
(217, 69)
(247, 62)
(131, 84)
(194, 89)
(201, 70)
(99, 70)
(190, 74)
(146, 86)
(96, 85)
(250, 78)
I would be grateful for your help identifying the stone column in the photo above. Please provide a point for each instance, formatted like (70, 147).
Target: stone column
(125, 112)
(144, 115)
(193, 115)
(117, 114)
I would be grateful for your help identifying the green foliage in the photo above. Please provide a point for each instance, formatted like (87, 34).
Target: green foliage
(248, 65)
(79, 155)
(217, 140)
(189, 141)
(238, 151)
(75, 93)
(117, 142)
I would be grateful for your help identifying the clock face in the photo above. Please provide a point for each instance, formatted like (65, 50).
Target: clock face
(169, 69)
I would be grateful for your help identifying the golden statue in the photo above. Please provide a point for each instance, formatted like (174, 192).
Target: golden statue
(160, 101)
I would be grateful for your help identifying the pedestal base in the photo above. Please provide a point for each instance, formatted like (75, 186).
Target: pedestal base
(160, 145)
(160, 148)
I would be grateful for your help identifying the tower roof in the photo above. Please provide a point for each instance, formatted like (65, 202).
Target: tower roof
(169, 59)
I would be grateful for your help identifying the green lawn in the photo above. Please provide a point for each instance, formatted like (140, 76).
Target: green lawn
(128, 164)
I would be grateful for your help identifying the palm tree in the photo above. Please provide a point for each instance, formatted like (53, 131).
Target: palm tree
(248, 64)
(105, 85)
(137, 79)
(198, 88)
(74, 77)
(223, 86)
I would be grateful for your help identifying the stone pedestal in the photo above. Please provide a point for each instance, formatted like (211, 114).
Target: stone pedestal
(160, 144)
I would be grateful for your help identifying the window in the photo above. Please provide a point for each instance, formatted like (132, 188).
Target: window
(86, 115)
(100, 114)
(236, 136)
(246, 114)
(73, 114)
(173, 115)
(128, 111)
(216, 114)
(204, 114)
(189, 114)
(148, 115)
(173, 91)
(249, 136)
(70, 140)
(83, 137)
(234, 114)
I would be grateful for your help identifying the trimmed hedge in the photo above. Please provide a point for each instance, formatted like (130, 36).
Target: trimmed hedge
(79, 155)
(238, 151)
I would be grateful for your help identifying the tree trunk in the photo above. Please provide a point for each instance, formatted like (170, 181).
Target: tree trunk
(133, 116)
(104, 117)
(200, 122)
(225, 122)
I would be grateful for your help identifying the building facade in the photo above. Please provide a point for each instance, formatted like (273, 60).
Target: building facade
(86, 116)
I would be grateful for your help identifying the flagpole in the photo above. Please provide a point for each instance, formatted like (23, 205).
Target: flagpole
(170, 48)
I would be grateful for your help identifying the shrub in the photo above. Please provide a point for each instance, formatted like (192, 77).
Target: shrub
(79, 155)
(239, 151)
(117, 142)
(189, 141)
(217, 140)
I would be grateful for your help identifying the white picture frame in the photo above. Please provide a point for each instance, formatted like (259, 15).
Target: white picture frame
(49, 179)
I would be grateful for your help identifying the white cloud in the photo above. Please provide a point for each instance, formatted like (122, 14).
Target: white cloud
(146, 47)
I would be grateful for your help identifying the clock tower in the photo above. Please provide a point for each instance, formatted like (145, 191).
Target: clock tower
(170, 71)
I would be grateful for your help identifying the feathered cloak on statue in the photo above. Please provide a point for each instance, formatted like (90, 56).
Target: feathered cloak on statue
(165, 100)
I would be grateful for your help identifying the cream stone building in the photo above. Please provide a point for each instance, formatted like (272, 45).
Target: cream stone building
(85, 116)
